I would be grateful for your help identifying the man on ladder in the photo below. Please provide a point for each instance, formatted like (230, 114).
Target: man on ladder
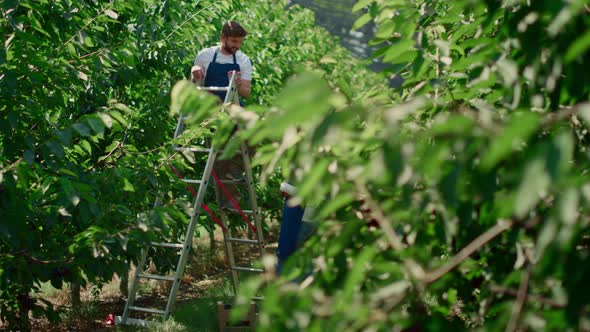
(213, 66)
(218, 67)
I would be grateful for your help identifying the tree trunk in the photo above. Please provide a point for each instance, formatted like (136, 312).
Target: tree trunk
(212, 239)
(124, 284)
(24, 306)
(75, 294)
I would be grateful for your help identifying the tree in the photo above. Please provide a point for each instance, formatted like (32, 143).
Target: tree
(475, 174)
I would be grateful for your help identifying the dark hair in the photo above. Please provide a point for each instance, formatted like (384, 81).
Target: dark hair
(233, 29)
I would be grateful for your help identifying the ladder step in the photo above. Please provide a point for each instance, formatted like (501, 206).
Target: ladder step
(167, 245)
(248, 241)
(134, 321)
(234, 210)
(233, 181)
(191, 181)
(246, 269)
(214, 88)
(155, 276)
(150, 310)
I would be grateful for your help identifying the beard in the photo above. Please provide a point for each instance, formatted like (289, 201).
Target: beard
(230, 50)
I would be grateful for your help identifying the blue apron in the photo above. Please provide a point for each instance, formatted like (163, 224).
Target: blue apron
(217, 75)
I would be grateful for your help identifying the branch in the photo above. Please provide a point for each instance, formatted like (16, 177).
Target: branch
(11, 166)
(384, 223)
(562, 114)
(36, 260)
(472, 247)
(521, 296)
(85, 26)
(119, 145)
(530, 297)
(395, 242)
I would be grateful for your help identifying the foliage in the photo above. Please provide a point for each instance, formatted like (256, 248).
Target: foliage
(85, 129)
(84, 97)
(475, 173)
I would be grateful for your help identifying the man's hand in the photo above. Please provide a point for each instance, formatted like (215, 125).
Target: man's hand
(238, 77)
(198, 73)
(243, 86)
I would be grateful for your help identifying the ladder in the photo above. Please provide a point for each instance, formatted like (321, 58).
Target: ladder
(198, 206)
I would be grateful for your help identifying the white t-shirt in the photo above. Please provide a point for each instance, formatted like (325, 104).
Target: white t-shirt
(205, 57)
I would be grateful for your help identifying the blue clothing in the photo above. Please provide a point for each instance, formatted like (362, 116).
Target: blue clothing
(293, 233)
(217, 75)
(289, 233)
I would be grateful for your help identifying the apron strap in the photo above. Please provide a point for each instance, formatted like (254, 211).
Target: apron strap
(215, 56)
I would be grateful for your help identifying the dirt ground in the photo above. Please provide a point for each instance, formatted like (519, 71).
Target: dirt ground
(204, 271)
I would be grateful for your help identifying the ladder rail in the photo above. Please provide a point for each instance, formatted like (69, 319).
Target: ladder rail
(197, 206)
(228, 246)
(134, 284)
(252, 196)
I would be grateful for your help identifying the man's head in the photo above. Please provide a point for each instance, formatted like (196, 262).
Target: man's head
(232, 36)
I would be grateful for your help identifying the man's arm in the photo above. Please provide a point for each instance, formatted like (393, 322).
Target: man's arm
(199, 68)
(245, 77)
(244, 88)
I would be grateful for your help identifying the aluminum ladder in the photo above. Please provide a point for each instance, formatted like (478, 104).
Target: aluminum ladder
(198, 206)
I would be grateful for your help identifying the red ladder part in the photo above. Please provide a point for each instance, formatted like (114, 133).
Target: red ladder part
(233, 201)
(194, 193)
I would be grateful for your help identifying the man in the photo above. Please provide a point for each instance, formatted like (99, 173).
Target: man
(213, 67)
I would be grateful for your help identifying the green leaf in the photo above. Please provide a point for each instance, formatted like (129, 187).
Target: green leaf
(197, 105)
(96, 124)
(561, 154)
(452, 296)
(522, 125)
(119, 118)
(304, 99)
(56, 149)
(386, 29)
(313, 178)
(533, 186)
(88, 42)
(578, 47)
(122, 107)
(82, 129)
(364, 19)
(455, 124)
(360, 4)
(106, 119)
(66, 171)
(568, 206)
(127, 186)
(327, 59)
(335, 204)
(357, 274)
(86, 146)
(71, 49)
(29, 157)
(398, 49)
